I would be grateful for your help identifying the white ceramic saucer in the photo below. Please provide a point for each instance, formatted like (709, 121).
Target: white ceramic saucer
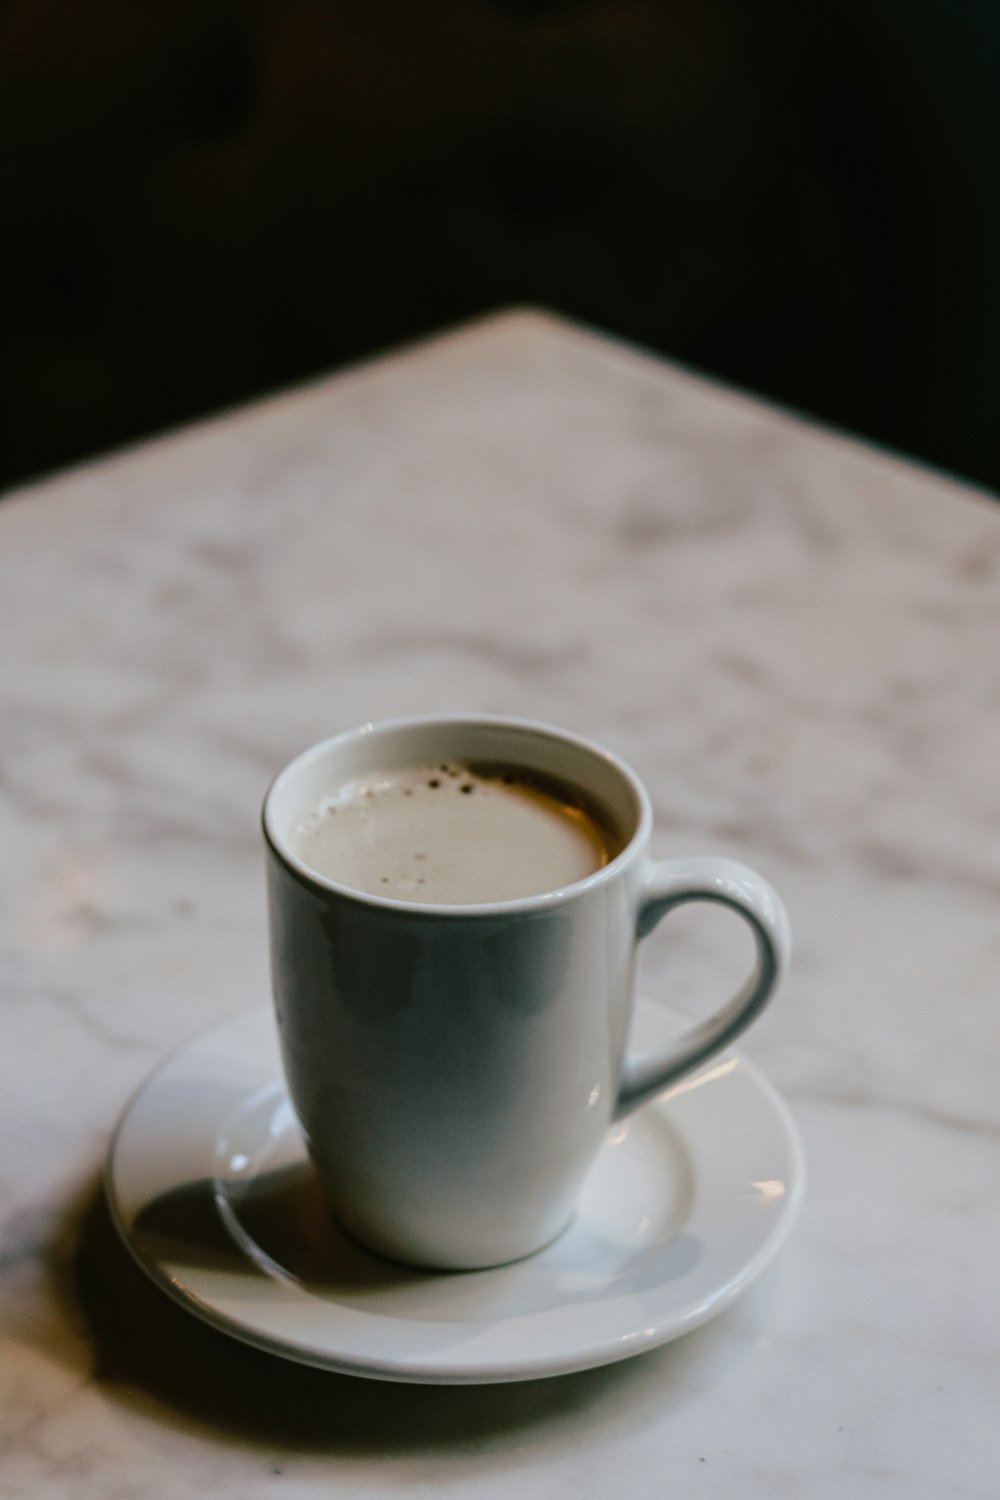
(213, 1194)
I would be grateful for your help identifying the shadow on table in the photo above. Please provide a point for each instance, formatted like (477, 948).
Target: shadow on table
(150, 1353)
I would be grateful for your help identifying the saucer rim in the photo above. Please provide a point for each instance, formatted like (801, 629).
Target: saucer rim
(407, 1370)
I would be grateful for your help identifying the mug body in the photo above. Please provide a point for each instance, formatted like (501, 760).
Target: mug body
(454, 1068)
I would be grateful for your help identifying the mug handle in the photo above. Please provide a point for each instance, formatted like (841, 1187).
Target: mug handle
(671, 882)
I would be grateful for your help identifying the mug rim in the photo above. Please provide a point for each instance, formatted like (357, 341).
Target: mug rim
(520, 905)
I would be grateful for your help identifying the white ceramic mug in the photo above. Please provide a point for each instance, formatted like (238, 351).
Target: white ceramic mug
(455, 1068)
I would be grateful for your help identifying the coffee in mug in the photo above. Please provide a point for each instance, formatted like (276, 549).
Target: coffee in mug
(453, 833)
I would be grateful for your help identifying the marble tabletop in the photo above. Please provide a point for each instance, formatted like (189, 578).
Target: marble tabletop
(792, 637)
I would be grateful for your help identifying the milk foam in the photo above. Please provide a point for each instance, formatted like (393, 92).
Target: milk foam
(451, 834)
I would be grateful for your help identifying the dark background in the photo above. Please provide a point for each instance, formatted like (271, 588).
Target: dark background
(203, 199)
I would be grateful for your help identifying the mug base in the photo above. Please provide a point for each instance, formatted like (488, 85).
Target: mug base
(445, 1262)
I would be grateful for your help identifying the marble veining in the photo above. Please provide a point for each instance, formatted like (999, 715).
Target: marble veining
(792, 636)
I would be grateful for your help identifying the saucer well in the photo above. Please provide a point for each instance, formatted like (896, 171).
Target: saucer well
(213, 1194)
